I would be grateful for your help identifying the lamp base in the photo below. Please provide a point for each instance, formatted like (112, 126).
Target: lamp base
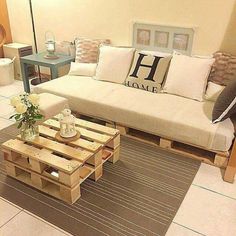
(51, 57)
(38, 80)
(67, 140)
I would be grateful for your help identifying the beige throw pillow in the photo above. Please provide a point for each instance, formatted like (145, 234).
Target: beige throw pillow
(114, 64)
(187, 76)
(87, 49)
(213, 91)
(223, 69)
(148, 71)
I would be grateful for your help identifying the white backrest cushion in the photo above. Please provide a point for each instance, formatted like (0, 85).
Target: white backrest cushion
(213, 91)
(114, 63)
(82, 69)
(187, 76)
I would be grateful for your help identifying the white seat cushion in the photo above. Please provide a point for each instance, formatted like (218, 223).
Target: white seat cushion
(167, 115)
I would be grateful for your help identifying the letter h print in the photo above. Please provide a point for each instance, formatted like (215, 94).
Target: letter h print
(152, 67)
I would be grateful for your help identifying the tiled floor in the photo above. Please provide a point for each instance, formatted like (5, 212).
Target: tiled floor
(5, 109)
(17, 221)
(209, 207)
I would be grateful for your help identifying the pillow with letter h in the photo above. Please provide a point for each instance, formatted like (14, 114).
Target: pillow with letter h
(148, 71)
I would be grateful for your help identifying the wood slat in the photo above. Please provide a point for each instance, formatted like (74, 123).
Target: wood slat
(166, 143)
(231, 168)
(93, 126)
(100, 138)
(82, 143)
(41, 155)
(65, 150)
(85, 171)
(221, 161)
(123, 130)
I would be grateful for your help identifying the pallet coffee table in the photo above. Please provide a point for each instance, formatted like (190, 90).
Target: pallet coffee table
(56, 168)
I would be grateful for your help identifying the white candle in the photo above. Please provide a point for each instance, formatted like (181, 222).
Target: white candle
(50, 47)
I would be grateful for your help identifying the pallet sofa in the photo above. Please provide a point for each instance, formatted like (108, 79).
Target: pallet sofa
(176, 123)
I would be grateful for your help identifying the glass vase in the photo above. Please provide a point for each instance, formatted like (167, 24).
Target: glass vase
(29, 132)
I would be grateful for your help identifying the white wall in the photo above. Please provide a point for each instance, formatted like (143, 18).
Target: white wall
(113, 19)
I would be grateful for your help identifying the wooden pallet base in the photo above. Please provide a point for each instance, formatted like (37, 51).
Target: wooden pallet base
(219, 159)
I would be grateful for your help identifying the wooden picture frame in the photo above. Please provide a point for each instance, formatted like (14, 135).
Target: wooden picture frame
(163, 38)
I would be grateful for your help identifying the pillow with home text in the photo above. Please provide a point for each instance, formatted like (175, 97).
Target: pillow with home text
(148, 71)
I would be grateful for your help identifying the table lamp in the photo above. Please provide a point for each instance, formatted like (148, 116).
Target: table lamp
(50, 45)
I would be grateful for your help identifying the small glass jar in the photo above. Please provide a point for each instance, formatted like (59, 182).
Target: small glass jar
(29, 132)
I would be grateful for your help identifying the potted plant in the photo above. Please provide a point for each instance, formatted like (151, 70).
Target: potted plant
(27, 114)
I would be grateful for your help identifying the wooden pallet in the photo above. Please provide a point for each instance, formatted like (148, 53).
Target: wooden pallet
(219, 159)
(224, 160)
(58, 168)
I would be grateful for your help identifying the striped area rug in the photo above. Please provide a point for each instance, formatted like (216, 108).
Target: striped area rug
(137, 196)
